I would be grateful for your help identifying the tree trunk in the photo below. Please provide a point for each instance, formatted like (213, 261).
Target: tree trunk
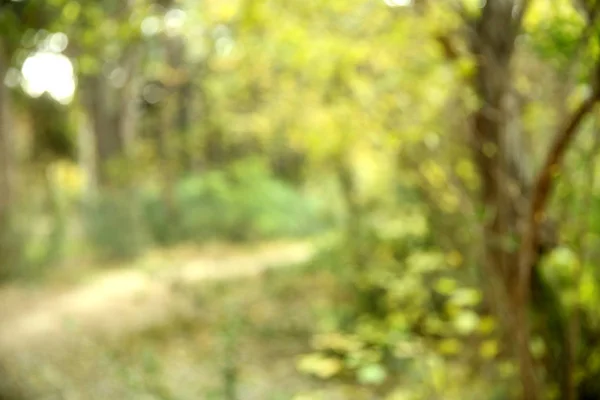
(181, 116)
(129, 112)
(178, 82)
(108, 144)
(86, 153)
(161, 120)
(497, 154)
(6, 144)
(7, 251)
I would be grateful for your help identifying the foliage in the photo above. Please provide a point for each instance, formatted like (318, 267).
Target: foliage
(418, 325)
(243, 202)
(113, 227)
(353, 112)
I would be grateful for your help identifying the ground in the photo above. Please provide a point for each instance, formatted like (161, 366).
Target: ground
(172, 326)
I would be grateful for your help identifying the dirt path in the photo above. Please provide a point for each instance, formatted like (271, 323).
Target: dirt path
(125, 301)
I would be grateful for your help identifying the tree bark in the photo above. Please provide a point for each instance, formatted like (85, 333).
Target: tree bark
(129, 112)
(86, 153)
(107, 141)
(6, 142)
(496, 140)
(6, 172)
(176, 49)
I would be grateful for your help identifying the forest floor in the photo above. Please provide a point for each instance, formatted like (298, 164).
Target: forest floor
(125, 300)
(168, 326)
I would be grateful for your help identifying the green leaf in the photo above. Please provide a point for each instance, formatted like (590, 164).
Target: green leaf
(466, 322)
(88, 64)
(450, 346)
(71, 11)
(466, 297)
(373, 374)
(538, 347)
(421, 261)
(445, 286)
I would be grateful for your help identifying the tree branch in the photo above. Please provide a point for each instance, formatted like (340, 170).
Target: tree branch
(543, 186)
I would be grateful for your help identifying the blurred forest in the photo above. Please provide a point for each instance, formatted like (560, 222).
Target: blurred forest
(252, 199)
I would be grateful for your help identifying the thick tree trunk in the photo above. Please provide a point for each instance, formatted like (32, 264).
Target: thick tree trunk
(499, 158)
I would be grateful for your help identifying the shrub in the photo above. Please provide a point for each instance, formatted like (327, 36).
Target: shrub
(243, 202)
(113, 227)
(410, 315)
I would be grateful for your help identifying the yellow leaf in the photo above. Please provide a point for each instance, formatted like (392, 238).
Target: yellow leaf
(486, 325)
(466, 67)
(422, 261)
(434, 174)
(465, 170)
(454, 258)
(449, 202)
(489, 349)
(465, 297)
(307, 396)
(403, 394)
(319, 365)
(337, 342)
(434, 325)
(450, 346)
(408, 349)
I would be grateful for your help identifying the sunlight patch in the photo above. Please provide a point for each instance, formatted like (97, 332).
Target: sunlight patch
(398, 3)
(48, 72)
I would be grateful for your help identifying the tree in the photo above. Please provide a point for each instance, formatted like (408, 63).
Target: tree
(514, 198)
(6, 167)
